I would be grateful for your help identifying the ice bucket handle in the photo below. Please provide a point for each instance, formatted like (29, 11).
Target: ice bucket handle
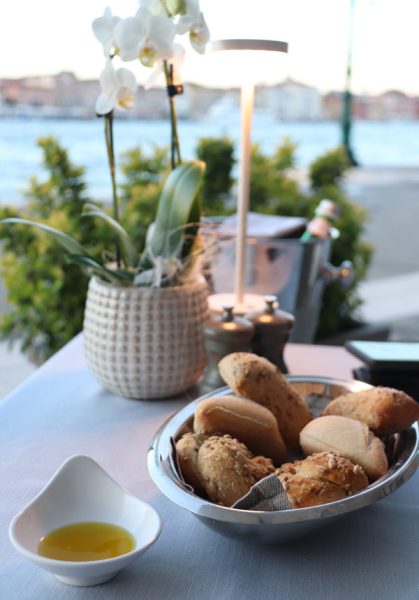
(344, 273)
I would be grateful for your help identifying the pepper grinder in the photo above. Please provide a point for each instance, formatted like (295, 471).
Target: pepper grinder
(224, 334)
(272, 330)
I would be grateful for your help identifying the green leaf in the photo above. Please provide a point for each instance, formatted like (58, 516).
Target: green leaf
(191, 231)
(178, 207)
(67, 242)
(128, 249)
(93, 267)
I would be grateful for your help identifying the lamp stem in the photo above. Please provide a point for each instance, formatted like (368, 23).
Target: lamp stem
(246, 109)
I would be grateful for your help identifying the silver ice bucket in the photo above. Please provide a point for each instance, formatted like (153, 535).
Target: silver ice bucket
(296, 272)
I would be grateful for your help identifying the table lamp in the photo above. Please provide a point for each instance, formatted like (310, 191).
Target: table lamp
(254, 50)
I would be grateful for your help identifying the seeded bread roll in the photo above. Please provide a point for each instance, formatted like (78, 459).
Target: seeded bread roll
(258, 379)
(383, 409)
(187, 455)
(249, 422)
(320, 478)
(348, 438)
(229, 469)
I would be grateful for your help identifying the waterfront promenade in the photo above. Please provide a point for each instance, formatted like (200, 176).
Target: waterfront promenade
(391, 290)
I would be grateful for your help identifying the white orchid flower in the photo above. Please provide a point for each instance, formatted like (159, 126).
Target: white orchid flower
(146, 36)
(104, 29)
(131, 33)
(155, 7)
(199, 35)
(159, 42)
(189, 18)
(194, 22)
(177, 58)
(118, 89)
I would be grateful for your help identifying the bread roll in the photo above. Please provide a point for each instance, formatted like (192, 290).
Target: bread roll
(320, 478)
(187, 455)
(258, 379)
(383, 409)
(251, 423)
(349, 438)
(229, 469)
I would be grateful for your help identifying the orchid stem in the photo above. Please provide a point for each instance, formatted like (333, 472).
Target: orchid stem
(111, 159)
(175, 157)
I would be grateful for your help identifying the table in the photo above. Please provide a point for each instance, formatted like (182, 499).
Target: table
(61, 410)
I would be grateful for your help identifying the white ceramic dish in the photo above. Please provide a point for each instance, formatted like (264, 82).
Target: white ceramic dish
(82, 491)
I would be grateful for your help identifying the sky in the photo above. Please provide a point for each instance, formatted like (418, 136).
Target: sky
(49, 36)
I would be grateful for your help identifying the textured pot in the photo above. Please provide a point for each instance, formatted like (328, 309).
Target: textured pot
(145, 342)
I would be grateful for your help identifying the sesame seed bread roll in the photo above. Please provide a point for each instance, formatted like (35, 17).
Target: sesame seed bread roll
(320, 478)
(250, 423)
(229, 469)
(383, 409)
(256, 378)
(348, 438)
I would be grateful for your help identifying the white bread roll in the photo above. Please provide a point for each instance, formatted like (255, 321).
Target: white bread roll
(348, 438)
(250, 423)
(383, 409)
(187, 449)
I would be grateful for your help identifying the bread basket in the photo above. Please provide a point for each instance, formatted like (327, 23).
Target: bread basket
(275, 526)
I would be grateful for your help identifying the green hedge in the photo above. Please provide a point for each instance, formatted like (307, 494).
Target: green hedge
(47, 295)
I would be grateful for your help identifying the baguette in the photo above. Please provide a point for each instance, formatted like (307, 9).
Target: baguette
(383, 409)
(256, 378)
(348, 438)
(251, 423)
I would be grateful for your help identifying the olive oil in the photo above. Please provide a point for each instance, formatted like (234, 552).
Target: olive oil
(86, 541)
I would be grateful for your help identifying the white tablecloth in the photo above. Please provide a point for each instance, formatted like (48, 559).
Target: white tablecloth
(61, 411)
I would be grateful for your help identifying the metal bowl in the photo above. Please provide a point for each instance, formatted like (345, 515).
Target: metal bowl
(278, 525)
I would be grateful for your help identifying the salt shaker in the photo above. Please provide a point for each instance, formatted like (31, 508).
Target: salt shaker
(272, 330)
(224, 334)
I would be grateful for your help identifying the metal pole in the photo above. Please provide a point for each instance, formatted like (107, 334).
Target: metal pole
(246, 110)
(347, 96)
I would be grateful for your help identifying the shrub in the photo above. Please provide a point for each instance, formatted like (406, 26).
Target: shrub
(45, 293)
(329, 169)
(274, 191)
(218, 155)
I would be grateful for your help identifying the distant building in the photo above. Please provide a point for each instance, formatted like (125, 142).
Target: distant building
(332, 104)
(396, 105)
(415, 103)
(204, 99)
(385, 107)
(64, 95)
(30, 91)
(294, 101)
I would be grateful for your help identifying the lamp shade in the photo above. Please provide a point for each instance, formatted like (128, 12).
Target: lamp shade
(249, 44)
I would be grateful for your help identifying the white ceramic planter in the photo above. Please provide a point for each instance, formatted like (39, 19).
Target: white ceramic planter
(146, 342)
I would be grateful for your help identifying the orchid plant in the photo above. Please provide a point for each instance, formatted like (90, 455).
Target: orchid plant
(150, 38)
